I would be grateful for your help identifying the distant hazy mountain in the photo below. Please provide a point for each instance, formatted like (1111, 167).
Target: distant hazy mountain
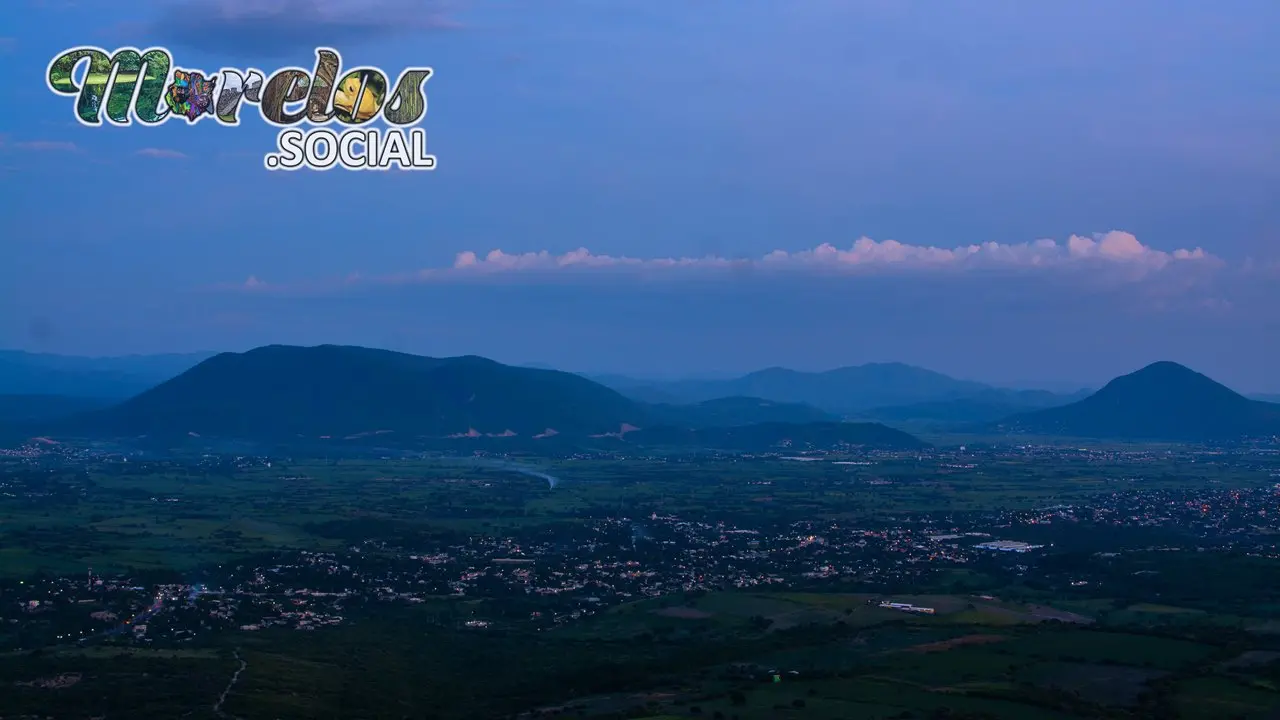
(732, 411)
(25, 408)
(842, 390)
(985, 406)
(780, 436)
(650, 390)
(653, 395)
(1057, 387)
(1266, 397)
(23, 373)
(1163, 401)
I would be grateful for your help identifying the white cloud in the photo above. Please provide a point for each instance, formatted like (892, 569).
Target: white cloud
(1114, 248)
(161, 153)
(47, 146)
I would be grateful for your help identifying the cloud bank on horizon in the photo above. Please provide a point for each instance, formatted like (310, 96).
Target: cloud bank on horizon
(1115, 246)
(1115, 249)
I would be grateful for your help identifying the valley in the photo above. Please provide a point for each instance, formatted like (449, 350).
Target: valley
(700, 578)
(300, 532)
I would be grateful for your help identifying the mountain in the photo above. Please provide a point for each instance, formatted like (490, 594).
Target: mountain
(347, 396)
(1163, 401)
(1266, 397)
(763, 437)
(283, 391)
(843, 390)
(734, 411)
(985, 406)
(24, 373)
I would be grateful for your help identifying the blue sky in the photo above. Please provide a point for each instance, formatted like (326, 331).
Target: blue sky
(681, 186)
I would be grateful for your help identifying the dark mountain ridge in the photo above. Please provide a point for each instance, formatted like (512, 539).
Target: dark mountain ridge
(278, 391)
(1162, 401)
(341, 393)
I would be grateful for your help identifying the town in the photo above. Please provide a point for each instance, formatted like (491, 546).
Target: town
(548, 576)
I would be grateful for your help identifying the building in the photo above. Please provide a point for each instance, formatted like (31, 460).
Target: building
(1007, 546)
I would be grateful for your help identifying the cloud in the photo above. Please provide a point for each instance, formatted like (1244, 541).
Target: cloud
(161, 153)
(1115, 250)
(277, 28)
(1265, 268)
(47, 146)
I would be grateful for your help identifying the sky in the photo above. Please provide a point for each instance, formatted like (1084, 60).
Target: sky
(1007, 191)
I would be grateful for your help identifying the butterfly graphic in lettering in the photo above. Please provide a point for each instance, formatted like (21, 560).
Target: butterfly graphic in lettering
(190, 94)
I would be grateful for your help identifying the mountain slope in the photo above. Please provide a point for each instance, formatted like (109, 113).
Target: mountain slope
(1163, 401)
(841, 390)
(281, 391)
